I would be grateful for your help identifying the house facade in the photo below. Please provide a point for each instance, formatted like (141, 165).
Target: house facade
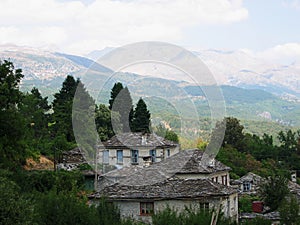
(135, 149)
(186, 178)
(140, 202)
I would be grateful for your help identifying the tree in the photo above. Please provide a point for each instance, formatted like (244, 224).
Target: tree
(166, 133)
(114, 93)
(233, 136)
(62, 208)
(289, 211)
(103, 122)
(34, 109)
(233, 133)
(121, 102)
(62, 107)
(12, 148)
(274, 190)
(13, 208)
(141, 118)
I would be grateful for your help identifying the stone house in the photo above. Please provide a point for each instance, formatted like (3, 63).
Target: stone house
(70, 160)
(135, 149)
(184, 179)
(248, 184)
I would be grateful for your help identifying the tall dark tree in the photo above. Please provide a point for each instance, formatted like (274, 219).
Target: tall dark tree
(273, 191)
(103, 122)
(83, 120)
(114, 93)
(12, 149)
(34, 109)
(234, 135)
(62, 107)
(141, 117)
(121, 102)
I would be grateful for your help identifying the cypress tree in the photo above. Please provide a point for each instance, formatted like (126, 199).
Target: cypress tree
(121, 102)
(62, 107)
(141, 117)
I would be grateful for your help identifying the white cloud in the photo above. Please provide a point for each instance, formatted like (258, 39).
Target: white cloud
(78, 27)
(285, 53)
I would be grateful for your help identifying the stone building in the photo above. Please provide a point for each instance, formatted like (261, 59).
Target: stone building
(135, 149)
(187, 178)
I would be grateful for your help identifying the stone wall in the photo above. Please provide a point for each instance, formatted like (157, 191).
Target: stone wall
(228, 205)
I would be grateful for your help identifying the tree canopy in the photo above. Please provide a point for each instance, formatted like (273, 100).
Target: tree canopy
(141, 117)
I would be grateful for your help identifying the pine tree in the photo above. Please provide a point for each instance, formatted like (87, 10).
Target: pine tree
(121, 102)
(34, 110)
(12, 149)
(62, 107)
(141, 117)
(114, 93)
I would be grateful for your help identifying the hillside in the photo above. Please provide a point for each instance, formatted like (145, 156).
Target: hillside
(177, 103)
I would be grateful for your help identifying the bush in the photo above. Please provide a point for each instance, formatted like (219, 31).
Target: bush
(189, 216)
(245, 203)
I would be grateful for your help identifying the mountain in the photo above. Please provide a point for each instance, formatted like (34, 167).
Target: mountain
(176, 102)
(235, 68)
(242, 69)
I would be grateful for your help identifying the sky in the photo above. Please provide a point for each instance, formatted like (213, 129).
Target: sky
(267, 28)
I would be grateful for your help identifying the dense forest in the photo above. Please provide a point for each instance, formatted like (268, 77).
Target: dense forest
(30, 126)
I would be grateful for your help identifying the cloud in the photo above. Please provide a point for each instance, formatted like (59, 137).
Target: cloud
(285, 53)
(77, 27)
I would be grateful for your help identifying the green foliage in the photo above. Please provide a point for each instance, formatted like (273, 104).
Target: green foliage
(14, 209)
(44, 181)
(121, 103)
(12, 145)
(273, 191)
(103, 120)
(114, 93)
(62, 208)
(245, 203)
(141, 117)
(241, 163)
(107, 213)
(233, 133)
(166, 216)
(189, 216)
(62, 107)
(166, 133)
(289, 211)
(257, 221)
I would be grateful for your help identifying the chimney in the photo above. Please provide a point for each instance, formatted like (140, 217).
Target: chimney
(144, 139)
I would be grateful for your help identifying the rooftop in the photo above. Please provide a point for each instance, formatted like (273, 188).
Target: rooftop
(171, 188)
(138, 139)
(183, 162)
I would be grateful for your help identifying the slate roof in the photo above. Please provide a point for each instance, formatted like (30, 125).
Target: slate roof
(171, 188)
(137, 139)
(73, 156)
(251, 177)
(183, 162)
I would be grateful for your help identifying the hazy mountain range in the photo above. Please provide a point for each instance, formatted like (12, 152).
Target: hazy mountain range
(253, 89)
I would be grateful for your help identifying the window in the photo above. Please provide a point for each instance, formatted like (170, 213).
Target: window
(204, 206)
(120, 156)
(146, 208)
(224, 180)
(134, 156)
(168, 152)
(106, 156)
(152, 153)
(246, 186)
(216, 179)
